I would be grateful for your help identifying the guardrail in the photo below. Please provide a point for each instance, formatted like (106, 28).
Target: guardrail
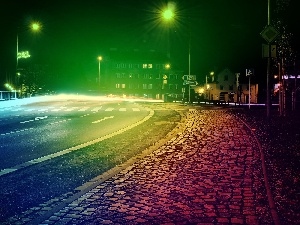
(8, 95)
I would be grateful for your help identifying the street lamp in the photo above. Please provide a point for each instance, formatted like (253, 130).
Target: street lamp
(99, 67)
(35, 26)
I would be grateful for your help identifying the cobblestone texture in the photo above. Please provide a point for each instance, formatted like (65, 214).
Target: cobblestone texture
(209, 173)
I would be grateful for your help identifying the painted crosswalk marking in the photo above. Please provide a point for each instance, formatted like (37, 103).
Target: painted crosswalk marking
(74, 108)
(96, 109)
(83, 109)
(109, 109)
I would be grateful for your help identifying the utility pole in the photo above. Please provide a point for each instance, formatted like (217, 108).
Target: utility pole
(268, 68)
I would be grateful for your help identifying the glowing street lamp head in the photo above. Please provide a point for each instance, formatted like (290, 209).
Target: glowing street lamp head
(35, 26)
(168, 14)
(99, 58)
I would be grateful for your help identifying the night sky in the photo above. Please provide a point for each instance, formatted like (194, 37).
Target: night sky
(224, 33)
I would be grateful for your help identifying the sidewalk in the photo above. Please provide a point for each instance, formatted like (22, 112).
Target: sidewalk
(209, 173)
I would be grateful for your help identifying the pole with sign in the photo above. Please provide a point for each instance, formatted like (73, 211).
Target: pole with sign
(249, 72)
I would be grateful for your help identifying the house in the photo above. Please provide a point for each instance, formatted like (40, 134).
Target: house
(225, 86)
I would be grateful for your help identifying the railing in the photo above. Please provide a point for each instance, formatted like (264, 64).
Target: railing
(8, 95)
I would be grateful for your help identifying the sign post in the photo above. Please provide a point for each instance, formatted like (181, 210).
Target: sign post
(249, 72)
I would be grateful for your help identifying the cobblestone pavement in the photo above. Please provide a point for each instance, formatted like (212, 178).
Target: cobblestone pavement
(208, 173)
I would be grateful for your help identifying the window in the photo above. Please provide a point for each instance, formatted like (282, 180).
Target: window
(231, 87)
(221, 87)
(117, 85)
(226, 77)
(150, 66)
(118, 75)
(149, 86)
(145, 66)
(145, 86)
(136, 66)
(123, 85)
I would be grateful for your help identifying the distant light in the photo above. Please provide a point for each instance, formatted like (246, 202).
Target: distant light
(35, 26)
(23, 55)
(167, 66)
(168, 14)
(99, 58)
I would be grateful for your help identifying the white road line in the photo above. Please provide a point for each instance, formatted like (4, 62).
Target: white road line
(83, 109)
(136, 109)
(71, 109)
(105, 118)
(122, 109)
(109, 109)
(96, 109)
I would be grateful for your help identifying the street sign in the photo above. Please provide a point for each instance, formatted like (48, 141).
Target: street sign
(189, 77)
(249, 72)
(269, 33)
(190, 82)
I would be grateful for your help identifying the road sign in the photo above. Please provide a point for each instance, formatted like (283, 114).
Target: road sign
(189, 77)
(249, 72)
(269, 33)
(190, 82)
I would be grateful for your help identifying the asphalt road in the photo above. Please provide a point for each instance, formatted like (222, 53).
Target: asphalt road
(49, 148)
(36, 130)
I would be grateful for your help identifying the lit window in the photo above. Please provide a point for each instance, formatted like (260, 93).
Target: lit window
(145, 66)
(123, 85)
(150, 66)
(117, 85)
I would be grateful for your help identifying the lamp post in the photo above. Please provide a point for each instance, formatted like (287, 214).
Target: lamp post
(35, 26)
(99, 70)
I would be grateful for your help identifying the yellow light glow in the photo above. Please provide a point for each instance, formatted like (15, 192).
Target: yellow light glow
(168, 14)
(35, 26)
(99, 58)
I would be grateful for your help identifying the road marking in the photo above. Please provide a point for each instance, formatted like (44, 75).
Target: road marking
(136, 109)
(83, 109)
(74, 148)
(71, 109)
(96, 109)
(105, 118)
(36, 118)
(109, 109)
(122, 109)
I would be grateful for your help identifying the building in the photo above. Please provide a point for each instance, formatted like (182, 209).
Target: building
(136, 73)
(226, 86)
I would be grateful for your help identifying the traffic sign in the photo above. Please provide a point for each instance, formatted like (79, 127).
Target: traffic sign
(269, 33)
(189, 77)
(249, 72)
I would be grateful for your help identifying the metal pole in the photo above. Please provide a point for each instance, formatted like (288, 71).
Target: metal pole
(99, 75)
(249, 92)
(268, 68)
